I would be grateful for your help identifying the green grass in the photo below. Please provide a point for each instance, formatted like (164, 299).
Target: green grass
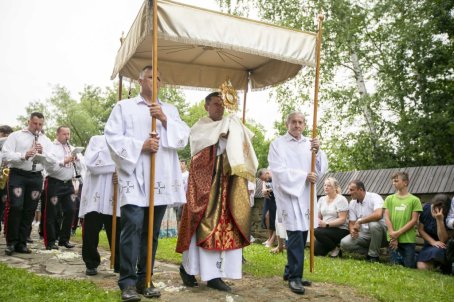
(380, 281)
(20, 285)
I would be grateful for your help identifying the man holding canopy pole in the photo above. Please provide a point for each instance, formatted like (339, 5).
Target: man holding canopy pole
(130, 142)
(290, 162)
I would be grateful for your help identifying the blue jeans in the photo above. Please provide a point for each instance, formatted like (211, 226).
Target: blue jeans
(404, 255)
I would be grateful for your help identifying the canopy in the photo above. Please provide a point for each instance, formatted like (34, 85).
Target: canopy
(201, 48)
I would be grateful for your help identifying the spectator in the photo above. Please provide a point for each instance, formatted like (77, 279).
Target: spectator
(366, 224)
(401, 215)
(332, 220)
(432, 228)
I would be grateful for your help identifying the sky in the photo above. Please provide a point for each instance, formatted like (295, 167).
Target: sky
(74, 43)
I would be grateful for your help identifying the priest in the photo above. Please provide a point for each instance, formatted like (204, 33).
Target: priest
(215, 223)
(128, 136)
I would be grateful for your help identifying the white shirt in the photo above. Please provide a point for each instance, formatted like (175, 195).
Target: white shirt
(290, 163)
(97, 191)
(18, 143)
(330, 211)
(57, 169)
(371, 202)
(450, 217)
(128, 126)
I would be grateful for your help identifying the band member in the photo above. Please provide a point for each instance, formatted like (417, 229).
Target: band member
(59, 192)
(96, 203)
(23, 150)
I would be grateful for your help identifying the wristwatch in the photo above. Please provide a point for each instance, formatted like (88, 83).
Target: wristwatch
(327, 225)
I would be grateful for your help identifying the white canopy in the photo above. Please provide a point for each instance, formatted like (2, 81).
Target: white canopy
(201, 48)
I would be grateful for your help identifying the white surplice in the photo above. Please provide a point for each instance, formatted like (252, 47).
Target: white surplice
(290, 163)
(97, 191)
(128, 126)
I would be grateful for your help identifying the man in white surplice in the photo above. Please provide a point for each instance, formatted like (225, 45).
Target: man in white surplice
(128, 137)
(96, 203)
(290, 163)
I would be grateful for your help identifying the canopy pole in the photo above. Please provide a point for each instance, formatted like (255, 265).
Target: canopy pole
(245, 97)
(153, 134)
(314, 135)
(115, 197)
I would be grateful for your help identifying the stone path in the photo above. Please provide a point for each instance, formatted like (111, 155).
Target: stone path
(67, 263)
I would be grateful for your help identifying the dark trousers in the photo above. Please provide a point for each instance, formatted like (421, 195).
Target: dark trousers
(327, 239)
(58, 213)
(24, 190)
(133, 243)
(405, 255)
(93, 224)
(3, 198)
(295, 255)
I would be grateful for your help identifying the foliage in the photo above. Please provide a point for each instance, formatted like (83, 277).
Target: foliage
(403, 50)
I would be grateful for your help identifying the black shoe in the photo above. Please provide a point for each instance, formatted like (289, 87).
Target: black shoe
(296, 286)
(285, 277)
(188, 280)
(23, 250)
(130, 294)
(9, 250)
(91, 271)
(306, 282)
(147, 292)
(219, 284)
(67, 245)
(372, 259)
(52, 247)
(29, 240)
(116, 270)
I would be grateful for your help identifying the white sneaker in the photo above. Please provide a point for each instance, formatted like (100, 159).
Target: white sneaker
(265, 242)
(334, 253)
(252, 239)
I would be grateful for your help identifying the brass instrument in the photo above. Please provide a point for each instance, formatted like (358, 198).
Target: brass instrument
(4, 178)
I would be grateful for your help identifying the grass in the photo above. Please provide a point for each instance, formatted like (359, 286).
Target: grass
(20, 285)
(380, 281)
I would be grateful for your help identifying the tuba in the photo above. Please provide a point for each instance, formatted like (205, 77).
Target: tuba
(4, 178)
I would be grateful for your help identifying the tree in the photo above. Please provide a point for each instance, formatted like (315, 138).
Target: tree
(403, 50)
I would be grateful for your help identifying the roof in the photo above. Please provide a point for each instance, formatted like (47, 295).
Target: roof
(423, 180)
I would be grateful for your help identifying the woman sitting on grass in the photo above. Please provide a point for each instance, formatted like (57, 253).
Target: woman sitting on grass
(332, 220)
(432, 228)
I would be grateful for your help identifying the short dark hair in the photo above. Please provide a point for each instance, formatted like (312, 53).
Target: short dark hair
(37, 114)
(359, 184)
(5, 129)
(213, 94)
(442, 200)
(61, 127)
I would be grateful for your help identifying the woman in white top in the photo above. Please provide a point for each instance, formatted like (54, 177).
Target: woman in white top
(332, 220)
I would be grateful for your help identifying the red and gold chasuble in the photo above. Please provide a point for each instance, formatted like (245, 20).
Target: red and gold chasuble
(217, 208)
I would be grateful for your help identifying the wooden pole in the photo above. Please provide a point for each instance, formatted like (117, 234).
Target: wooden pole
(314, 135)
(153, 155)
(115, 199)
(244, 98)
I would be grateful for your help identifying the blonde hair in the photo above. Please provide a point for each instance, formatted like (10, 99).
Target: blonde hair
(333, 182)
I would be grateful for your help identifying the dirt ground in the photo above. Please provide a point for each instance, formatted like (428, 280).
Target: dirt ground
(67, 263)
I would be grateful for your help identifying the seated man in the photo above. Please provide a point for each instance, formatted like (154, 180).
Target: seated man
(366, 224)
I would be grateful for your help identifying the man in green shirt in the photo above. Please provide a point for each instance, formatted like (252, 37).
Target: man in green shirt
(402, 210)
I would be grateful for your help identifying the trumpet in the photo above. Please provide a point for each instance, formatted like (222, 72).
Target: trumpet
(4, 178)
